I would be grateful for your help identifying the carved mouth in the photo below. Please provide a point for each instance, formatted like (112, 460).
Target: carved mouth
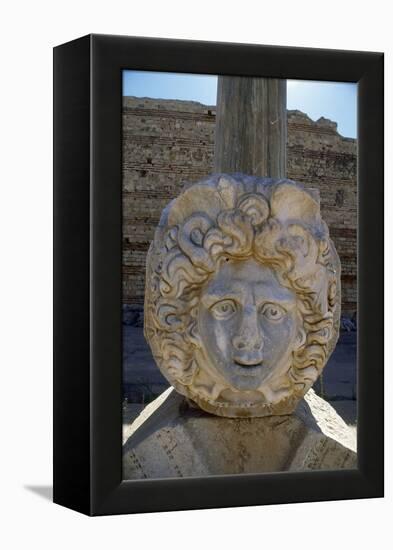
(245, 368)
(248, 364)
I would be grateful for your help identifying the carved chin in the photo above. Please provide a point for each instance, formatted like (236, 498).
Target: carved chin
(248, 402)
(248, 376)
(239, 390)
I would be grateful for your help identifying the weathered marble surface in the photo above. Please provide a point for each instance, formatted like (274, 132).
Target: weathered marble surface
(170, 438)
(255, 109)
(242, 300)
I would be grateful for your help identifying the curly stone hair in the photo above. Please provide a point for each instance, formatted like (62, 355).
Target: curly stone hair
(276, 222)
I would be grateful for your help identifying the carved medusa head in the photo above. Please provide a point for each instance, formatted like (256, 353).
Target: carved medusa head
(242, 300)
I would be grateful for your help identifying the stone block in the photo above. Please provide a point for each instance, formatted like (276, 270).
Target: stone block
(171, 438)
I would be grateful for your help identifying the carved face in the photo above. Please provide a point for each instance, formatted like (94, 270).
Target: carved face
(242, 294)
(249, 324)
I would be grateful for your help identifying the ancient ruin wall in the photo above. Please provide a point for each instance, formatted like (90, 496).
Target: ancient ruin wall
(169, 142)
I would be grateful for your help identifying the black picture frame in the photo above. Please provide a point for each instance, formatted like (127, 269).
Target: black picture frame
(87, 274)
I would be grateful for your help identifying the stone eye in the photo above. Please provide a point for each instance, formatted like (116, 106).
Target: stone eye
(224, 309)
(273, 312)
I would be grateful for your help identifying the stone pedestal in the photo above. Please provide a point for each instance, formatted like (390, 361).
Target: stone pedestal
(170, 438)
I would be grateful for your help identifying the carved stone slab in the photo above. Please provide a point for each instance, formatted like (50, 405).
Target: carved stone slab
(170, 438)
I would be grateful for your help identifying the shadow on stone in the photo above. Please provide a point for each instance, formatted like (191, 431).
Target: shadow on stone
(347, 409)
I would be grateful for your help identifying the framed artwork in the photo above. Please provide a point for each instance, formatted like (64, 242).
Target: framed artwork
(218, 275)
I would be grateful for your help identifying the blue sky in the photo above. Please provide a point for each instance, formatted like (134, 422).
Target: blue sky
(334, 100)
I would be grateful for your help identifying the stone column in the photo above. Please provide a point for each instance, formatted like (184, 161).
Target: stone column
(251, 126)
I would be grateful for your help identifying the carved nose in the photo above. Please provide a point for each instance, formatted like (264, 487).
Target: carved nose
(249, 337)
(247, 342)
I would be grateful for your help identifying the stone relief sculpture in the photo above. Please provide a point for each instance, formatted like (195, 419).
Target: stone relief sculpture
(242, 294)
(242, 310)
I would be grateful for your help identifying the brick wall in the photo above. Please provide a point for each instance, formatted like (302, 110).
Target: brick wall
(169, 142)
